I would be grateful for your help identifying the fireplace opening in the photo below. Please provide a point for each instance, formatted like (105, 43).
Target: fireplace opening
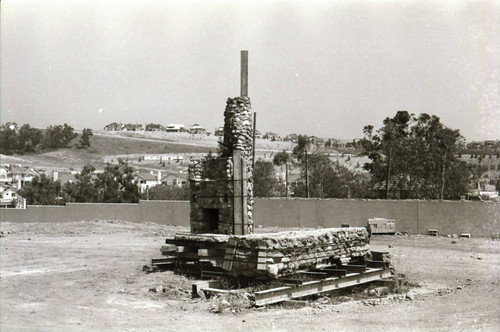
(211, 218)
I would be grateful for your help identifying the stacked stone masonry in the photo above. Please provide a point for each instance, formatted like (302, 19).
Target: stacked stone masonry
(272, 255)
(280, 254)
(212, 181)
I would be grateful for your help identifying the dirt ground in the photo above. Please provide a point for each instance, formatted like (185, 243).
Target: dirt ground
(87, 276)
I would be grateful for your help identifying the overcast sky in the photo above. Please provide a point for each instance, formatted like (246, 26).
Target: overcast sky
(324, 68)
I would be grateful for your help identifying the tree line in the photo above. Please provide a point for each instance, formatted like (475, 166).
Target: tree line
(26, 139)
(114, 185)
(416, 157)
(320, 177)
(411, 157)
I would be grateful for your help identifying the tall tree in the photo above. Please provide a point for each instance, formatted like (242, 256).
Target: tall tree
(414, 157)
(329, 180)
(164, 192)
(265, 181)
(85, 138)
(281, 158)
(29, 138)
(68, 134)
(85, 188)
(59, 136)
(8, 138)
(42, 191)
(116, 184)
(301, 148)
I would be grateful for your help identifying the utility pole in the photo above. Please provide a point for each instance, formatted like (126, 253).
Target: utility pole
(307, 177)
(442, 175)
(388, 175)
(286, 180)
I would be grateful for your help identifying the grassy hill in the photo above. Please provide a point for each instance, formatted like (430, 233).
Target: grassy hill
(101, 146)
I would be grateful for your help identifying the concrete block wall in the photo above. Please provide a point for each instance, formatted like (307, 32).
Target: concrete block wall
(480, 219)
(415, 217)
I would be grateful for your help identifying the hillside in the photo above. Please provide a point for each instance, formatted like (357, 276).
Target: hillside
(101, 146)
(108, 147)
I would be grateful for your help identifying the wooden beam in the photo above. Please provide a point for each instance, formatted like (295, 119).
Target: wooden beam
(244, 205)
(281, 294)
(244, 73)
(237, 193)
(253, 141)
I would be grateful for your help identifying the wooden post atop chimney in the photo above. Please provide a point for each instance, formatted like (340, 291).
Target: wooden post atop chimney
(244, 73)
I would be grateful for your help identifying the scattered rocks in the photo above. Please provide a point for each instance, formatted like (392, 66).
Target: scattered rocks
(379, 291)
(230, 303)
(372, 302)
(410, 296)
(157, 289)
(147, 269)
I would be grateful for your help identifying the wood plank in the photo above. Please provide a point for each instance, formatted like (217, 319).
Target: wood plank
(354, 268)
(197, 286)
(244, 203)
(237, 192)
(229, 255)
(244, 74)
(280, 294)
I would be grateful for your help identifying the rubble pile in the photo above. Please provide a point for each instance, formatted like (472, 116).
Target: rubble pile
(279, 254)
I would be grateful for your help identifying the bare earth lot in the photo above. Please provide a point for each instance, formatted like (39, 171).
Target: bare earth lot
(87, 276)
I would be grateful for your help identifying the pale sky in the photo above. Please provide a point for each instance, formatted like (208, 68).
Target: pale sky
(324, 68)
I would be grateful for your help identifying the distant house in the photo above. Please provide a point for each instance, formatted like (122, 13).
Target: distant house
(133, 127)
(8, 197)
(155, 127)
(175, 128)
(172, 179)
(23, 175)
(292, 138)
(491, 144)
(115, 126)
(63, 177)
(351, 145)
(485, 191)
(335, 143)
(219, 131)
(272, 136)
(146, 180)
(197, 129)
(317, 141)
(486, 145)
(5, 176)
